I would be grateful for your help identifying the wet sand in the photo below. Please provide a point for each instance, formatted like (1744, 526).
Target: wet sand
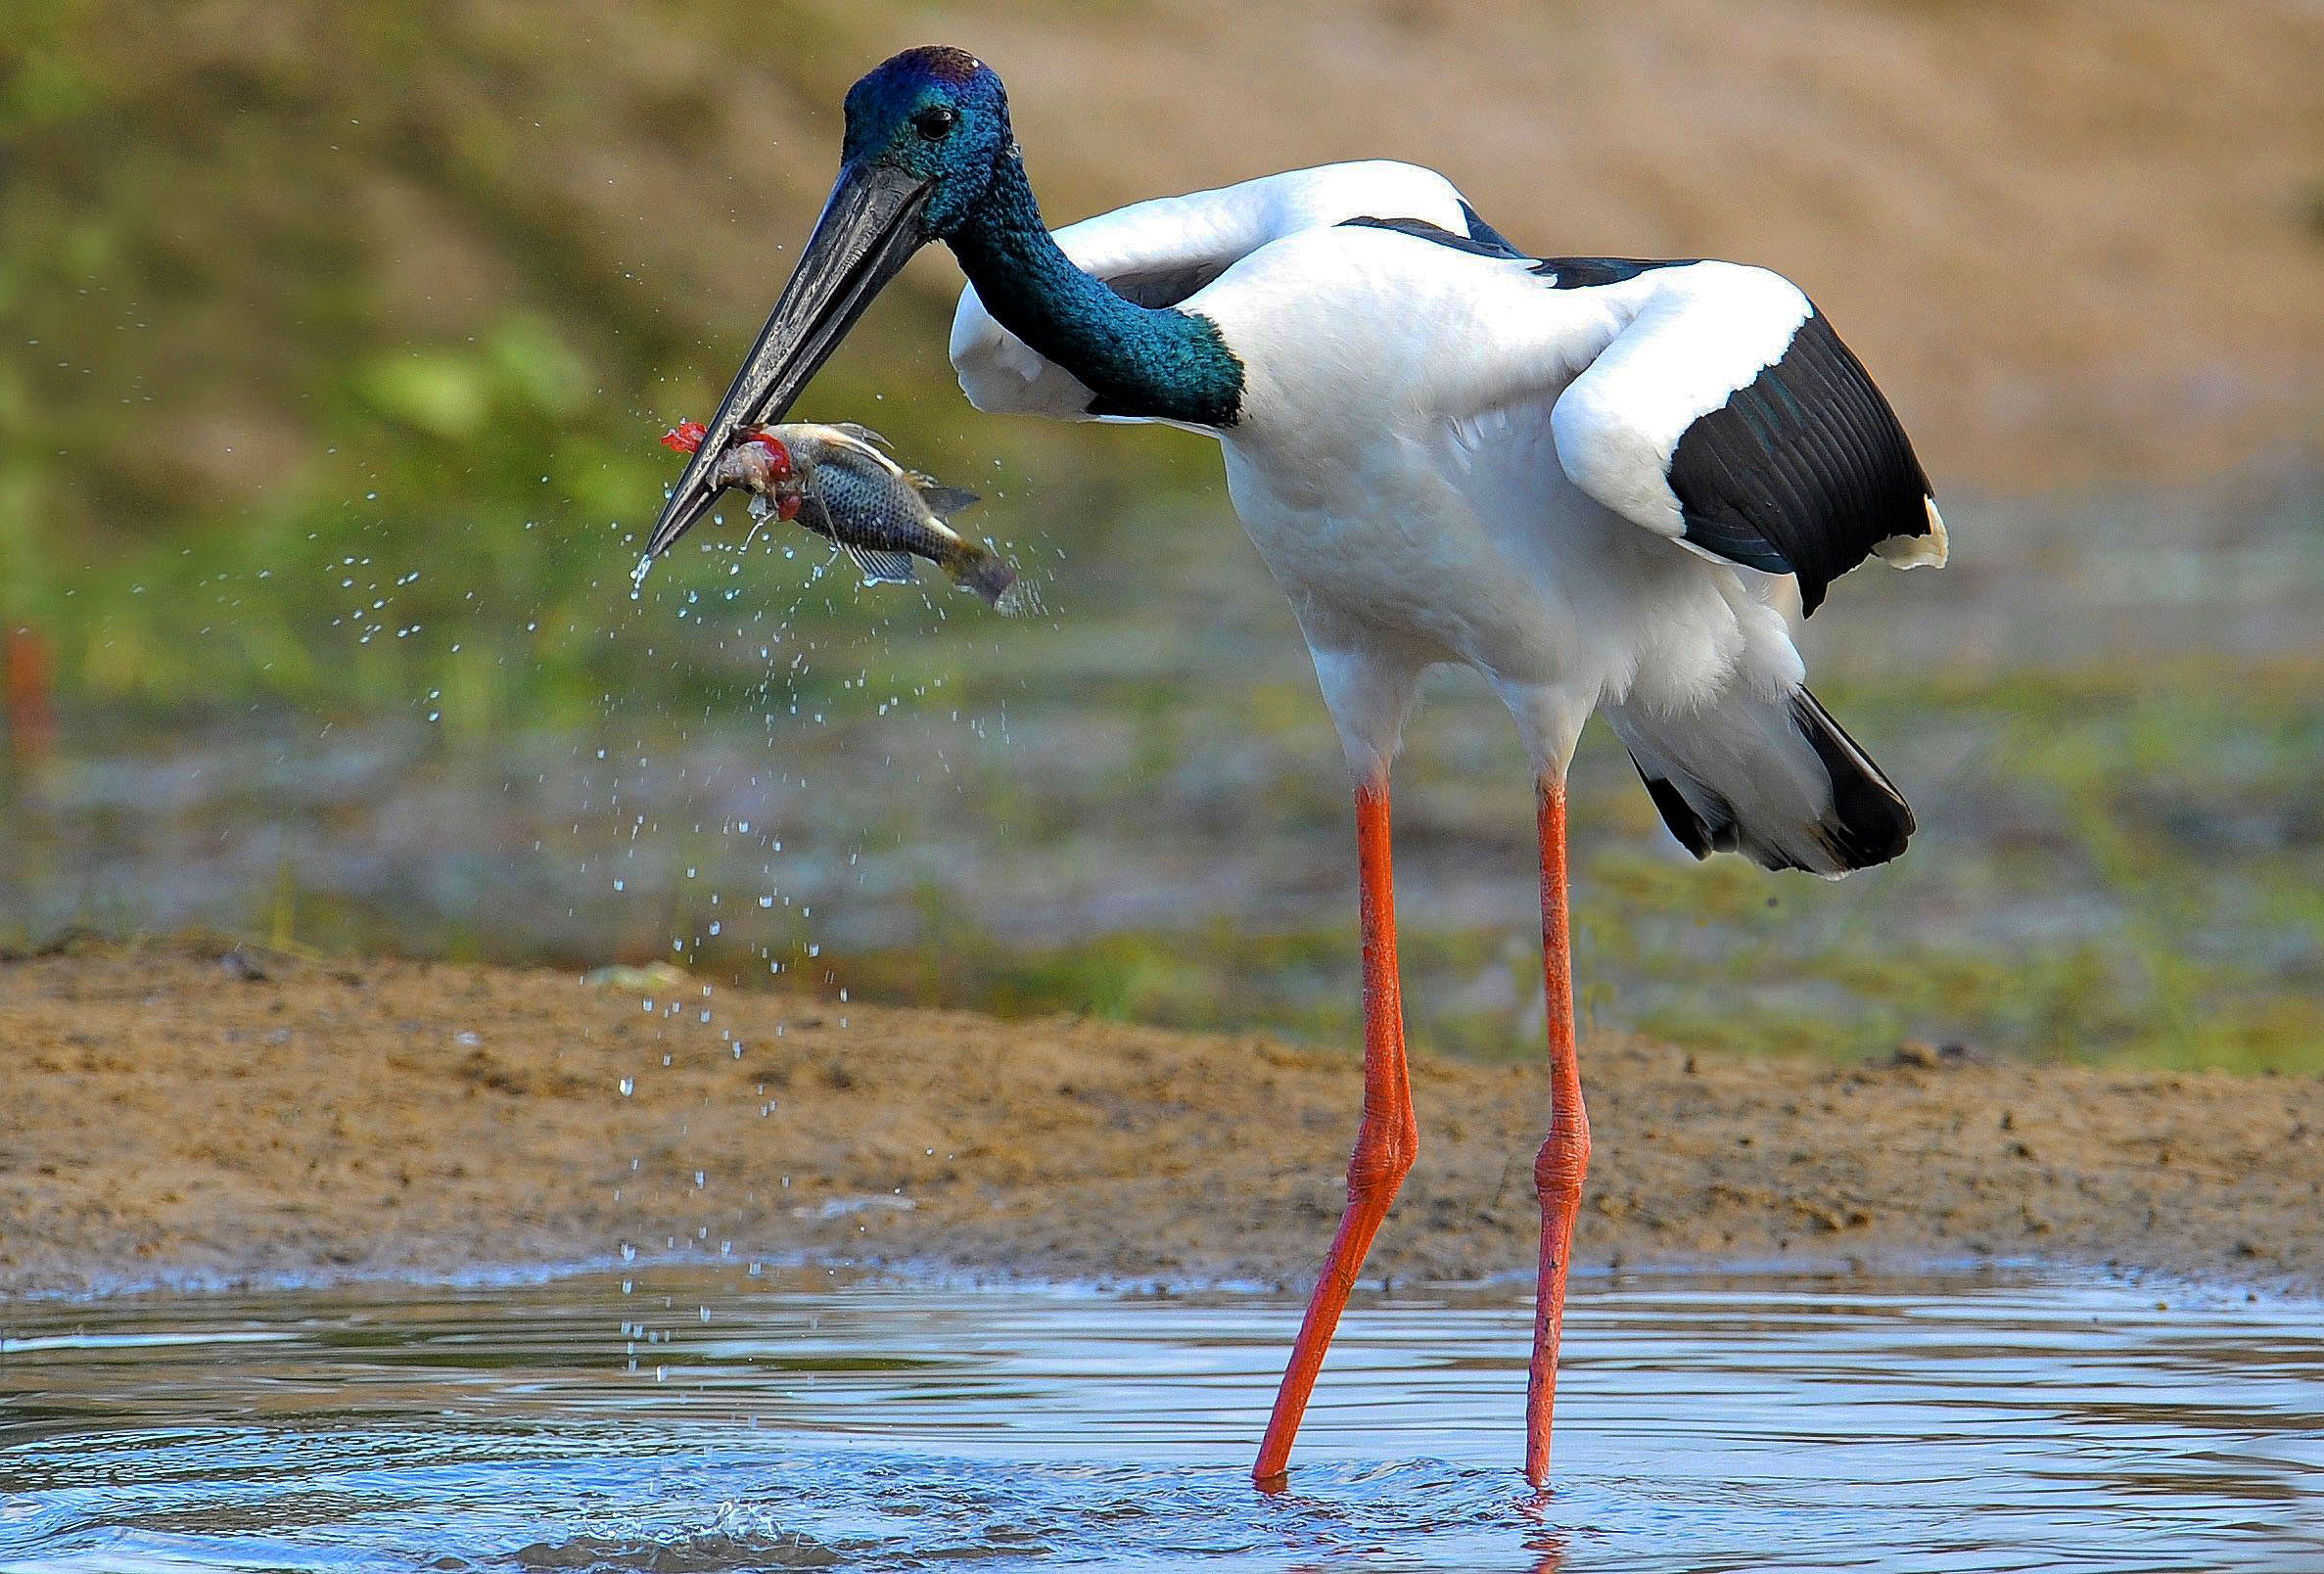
(180, 1119)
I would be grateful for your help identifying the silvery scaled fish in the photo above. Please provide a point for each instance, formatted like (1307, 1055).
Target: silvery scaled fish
(839, 482)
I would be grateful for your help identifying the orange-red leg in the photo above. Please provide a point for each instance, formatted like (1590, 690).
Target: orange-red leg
(1385, 1141)
(1558, 1168)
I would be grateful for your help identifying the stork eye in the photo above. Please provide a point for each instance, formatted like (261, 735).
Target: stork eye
(935, 122)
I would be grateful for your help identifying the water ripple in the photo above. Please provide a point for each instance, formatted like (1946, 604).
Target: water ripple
(705, 1423)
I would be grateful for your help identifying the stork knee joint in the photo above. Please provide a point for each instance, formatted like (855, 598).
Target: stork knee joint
(1558, 1168)
(1383, 1157)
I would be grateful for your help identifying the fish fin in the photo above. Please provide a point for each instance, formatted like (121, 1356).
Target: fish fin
(943, 501)
(863, 434)
(878, 566)
(978, 568)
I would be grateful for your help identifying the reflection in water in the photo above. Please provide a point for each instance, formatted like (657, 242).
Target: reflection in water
(701, 1422)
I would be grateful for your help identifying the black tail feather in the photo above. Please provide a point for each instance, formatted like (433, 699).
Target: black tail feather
(1869, 822)
(1697, 834)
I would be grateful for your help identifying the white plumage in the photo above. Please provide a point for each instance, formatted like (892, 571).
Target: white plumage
(1449, 454)
(1162, 250)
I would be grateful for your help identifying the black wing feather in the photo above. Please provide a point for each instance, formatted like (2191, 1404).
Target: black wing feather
(1803, 470)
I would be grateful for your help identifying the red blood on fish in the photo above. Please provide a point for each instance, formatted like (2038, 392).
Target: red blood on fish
(686, 438)
(775, 450)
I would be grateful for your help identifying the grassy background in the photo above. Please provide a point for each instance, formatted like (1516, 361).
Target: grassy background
(334, 342)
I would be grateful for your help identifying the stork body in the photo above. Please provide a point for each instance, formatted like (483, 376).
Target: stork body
(1448, 451)
(1593, 480)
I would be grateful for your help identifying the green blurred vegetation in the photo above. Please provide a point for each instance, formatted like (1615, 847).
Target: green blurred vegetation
(2180, 804)
(299, 303)
(334, 343)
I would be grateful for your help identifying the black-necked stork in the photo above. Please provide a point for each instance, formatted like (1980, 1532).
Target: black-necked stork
(1595, 480)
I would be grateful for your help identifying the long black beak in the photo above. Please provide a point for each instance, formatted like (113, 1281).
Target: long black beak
(869, 230)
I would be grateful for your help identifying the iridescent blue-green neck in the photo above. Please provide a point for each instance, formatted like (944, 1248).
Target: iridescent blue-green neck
(1136, 360)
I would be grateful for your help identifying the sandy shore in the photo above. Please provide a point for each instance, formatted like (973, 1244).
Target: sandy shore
(175, 1119)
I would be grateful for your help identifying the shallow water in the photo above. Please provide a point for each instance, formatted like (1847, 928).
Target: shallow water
(688, 1421)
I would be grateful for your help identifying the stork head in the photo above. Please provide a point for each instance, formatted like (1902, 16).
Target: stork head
(925, 132)
(937, 116)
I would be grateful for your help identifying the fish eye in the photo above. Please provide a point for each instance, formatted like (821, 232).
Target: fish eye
(935, 122)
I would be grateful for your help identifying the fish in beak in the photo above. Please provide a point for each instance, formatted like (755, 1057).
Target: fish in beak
(840, 482)
(869, 228)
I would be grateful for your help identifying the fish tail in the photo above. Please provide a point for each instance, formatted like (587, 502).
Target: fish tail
(986, 572)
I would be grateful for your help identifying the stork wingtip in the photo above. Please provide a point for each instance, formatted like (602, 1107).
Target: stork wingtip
(1927, 550)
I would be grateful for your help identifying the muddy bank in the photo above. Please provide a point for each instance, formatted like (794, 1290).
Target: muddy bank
(171, 1117)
